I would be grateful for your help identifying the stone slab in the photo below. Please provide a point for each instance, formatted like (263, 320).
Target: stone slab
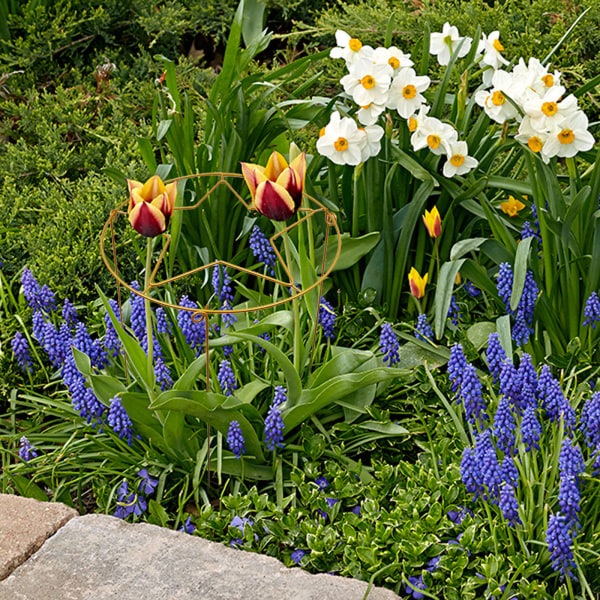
(25, 524)
(99, 557)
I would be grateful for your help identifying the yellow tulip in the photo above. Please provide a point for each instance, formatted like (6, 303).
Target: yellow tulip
(433, 222)
(417, 283)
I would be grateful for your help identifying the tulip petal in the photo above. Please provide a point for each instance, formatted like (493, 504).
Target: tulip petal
(132, 184)
(134, 198)
(299, 165)
(147, 219)
(171, 190)
(152, 188)
(289, 181)
(250, 171)
(274, 201)
(276, 165)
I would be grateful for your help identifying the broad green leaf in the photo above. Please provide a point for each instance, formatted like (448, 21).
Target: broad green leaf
(248, 392)
(479, 333)
(347, 361)
(315, 399)
(352, 250)
(253, 20)
(415, 354)
(387, 428)
(173, 432)
(294, 385)
(414, 168)
(214, 409)
(459, 249)
(190, 376)
(520, 271)
(230, 465)
(504, 334)
(27, 488)
(443, 293)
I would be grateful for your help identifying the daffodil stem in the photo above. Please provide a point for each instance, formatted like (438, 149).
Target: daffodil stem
(149, 336)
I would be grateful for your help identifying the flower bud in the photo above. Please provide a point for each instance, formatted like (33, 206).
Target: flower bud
(151, 205)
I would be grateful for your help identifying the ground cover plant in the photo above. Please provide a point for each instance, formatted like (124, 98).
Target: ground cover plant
(426, 420)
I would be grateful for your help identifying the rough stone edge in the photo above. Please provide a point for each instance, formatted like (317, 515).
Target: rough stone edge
(17, 561)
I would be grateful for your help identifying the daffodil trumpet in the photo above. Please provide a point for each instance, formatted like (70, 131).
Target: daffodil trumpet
(276, 188)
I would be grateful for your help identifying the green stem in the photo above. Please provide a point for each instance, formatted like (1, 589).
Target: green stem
(149, 336)
(298, 346)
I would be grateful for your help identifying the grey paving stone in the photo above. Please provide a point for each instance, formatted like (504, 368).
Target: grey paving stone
(25, 524)
(100, 557)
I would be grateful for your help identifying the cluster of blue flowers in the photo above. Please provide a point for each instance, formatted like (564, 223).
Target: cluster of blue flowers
(235, 439)
(133, 503)
(26, 450)
(389, 345)
(262, 250)
(423, 329)
(274, 422)
(226, 378)
(528, 405)
(591, 311)
(523, 315)
(327, 318)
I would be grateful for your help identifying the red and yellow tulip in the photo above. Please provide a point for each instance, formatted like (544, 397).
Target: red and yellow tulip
(433, 222)
(151, 205)
(276, 188)
(417, 283)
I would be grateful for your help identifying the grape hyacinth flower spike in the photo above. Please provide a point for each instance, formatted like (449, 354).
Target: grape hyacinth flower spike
(389, 345)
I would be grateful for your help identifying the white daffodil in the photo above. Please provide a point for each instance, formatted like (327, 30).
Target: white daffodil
(532, 136)
(548, 110)
(341, 141)
(368, 82)
(405, 92)
(369, 113)
(494, 101)
(416, 121)
(446, 43)
(349, 48)
(459, 162)
(535, 76)
(372, 143)
(392, 56)
(491, 48)
(434, 134)
(569, 137)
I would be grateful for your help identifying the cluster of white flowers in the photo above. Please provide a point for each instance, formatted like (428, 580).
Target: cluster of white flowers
(383, 79)
(380, 79)
(550, 123)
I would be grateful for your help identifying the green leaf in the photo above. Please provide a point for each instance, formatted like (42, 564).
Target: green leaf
(173, 432)
(520, 271)
(253, 20)
(465, 246)
(147, 152)
(416, 353)
(443, 293)
(479, 333)
(294, 385)
(27, 488)
(190, 376)
(414, 167)
(504, 334)
(352, 250)
(387, 428)
(315, 399)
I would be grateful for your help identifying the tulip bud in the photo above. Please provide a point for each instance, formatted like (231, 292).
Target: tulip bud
(151, 205)
(417, 283)
(433, 222)
(277, 188)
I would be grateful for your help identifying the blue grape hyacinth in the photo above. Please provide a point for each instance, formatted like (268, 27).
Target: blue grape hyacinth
(591, 311)
(119, 420)
(26, 450)
(235, 439)
(20, 348)
(274, 428)
(495, 355)
(327, 319)
(456, 366)
(389, 345)
(261, 249)
(560, 545)
(423, 330)
(226, 378)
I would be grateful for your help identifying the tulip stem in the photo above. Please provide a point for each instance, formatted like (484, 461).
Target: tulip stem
(149, 336)
(297, 330)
